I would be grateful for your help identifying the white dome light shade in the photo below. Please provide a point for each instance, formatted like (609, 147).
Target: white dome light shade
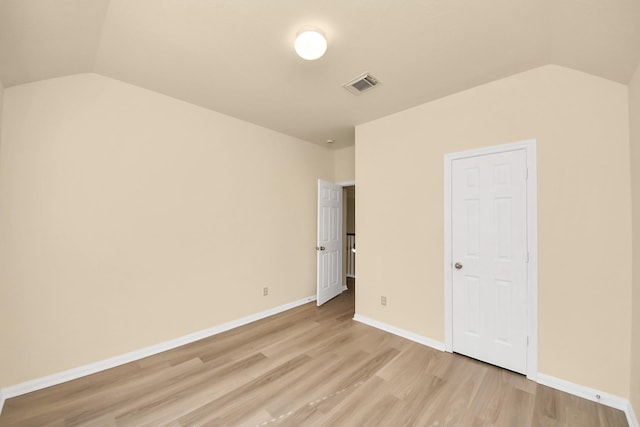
(310, 45)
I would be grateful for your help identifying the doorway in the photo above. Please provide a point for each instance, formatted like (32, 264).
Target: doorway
(335, 245)
(349, 236)
(491, 255)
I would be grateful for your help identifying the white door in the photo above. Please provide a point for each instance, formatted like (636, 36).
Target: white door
(489, 253)
(329, 246)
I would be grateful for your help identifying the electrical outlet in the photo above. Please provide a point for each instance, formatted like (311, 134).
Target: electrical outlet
(265, 291)
(383, 300)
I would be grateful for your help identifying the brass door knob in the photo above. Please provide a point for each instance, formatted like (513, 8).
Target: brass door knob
(458, 266)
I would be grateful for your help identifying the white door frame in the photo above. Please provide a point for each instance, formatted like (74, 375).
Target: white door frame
(532, 246)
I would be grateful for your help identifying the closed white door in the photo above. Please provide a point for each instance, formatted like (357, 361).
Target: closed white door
(489, 253)
(329, 247)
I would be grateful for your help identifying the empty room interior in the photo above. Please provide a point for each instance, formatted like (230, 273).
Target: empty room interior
(182, 189)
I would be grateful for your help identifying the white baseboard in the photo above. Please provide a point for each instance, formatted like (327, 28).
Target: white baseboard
(92, 368)
(352, 276)
(632, 418)
(400, 332)
(591, 394)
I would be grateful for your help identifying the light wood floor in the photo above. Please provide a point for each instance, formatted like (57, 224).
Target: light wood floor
(306, 367)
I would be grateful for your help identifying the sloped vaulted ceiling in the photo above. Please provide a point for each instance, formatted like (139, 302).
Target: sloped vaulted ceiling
(236, 56)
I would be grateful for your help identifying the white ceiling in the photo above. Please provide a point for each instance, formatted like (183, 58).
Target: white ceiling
(236, 56)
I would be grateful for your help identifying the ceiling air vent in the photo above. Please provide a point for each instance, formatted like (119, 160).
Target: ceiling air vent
(361, 84)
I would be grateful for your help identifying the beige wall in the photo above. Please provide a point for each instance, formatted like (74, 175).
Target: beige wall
(581, 125)
(634, 121)
(344, 164)
(128, 218)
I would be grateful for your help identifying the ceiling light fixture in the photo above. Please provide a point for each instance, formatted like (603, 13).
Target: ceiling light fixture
(310, 45)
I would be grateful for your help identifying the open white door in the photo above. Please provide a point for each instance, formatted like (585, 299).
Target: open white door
(329, 247)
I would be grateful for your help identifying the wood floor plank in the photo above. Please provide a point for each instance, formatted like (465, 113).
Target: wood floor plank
(299, 394)
(91, 405)
(367, 412)
(187, 392)
(309, 366)
(212, 410)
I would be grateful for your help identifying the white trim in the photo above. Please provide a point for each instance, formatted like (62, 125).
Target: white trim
(532, 241)
(1, 402)
(344, 288)
(346, 183)
(437, 345)
(632, 418)
(351, 276)
(592, 395)
(92, 368)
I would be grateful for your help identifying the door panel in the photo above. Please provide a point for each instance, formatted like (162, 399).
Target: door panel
(489, 241)
(329, 248)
